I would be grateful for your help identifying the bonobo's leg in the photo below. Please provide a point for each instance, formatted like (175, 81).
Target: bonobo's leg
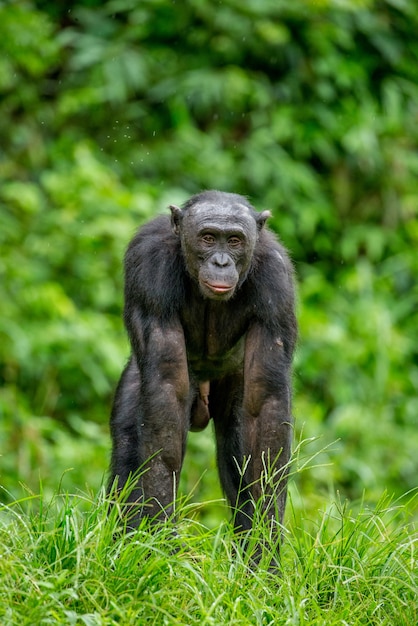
(124, 429)
(267, 420)
(225, 401)
(150, 420)
(253, 426)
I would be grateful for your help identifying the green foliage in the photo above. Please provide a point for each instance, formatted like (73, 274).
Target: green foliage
(109, 111)
(64, 566)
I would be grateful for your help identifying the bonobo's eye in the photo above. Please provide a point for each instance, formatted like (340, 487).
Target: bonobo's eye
(234, 242)
(209, 240)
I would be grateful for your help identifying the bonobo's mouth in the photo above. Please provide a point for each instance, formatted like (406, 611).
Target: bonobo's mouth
(219, 287)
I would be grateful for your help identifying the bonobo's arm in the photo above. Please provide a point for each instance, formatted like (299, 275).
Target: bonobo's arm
(163, 410)
(151, 406)
(266, 418)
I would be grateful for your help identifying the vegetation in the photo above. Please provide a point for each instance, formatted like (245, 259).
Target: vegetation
(110, 111)
(58, 567)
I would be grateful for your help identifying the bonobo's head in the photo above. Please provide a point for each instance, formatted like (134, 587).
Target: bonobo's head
(218, 233)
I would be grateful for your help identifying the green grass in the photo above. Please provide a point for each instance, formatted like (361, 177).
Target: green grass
(63, 562)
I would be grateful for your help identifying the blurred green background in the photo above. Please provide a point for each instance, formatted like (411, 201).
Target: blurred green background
(109, 111)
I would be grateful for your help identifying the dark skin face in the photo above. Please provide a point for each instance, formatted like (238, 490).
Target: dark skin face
(218, 244)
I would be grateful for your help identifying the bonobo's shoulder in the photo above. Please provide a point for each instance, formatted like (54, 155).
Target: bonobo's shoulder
(270, 254)
(154, 268)
(270, 283)
(153, 232)
(153, 245)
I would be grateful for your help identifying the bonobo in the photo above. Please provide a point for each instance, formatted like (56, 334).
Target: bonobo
(209, 310)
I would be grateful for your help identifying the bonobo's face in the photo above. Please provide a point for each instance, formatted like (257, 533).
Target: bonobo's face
(218, 241)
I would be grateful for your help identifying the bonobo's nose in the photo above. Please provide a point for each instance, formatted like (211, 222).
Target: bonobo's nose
(221, 259)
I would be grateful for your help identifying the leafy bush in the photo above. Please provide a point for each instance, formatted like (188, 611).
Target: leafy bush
(112, 110)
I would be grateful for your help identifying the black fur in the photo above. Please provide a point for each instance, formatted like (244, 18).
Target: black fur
(191, 335)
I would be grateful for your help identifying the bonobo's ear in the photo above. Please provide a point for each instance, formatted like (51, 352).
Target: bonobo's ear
(176, 215)
(261, 219)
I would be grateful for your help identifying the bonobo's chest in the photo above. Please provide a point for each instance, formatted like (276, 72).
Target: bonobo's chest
(215, 338)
